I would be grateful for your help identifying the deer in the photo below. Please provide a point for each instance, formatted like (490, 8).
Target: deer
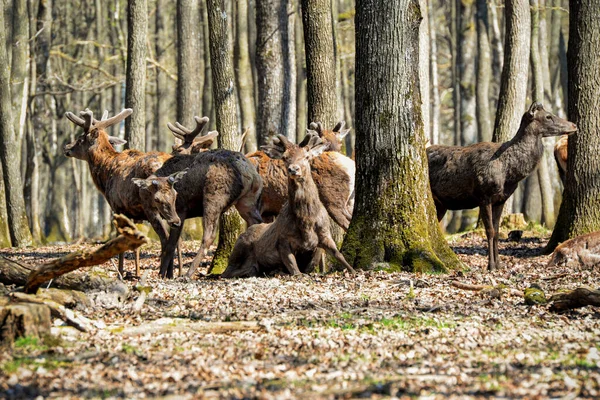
(112, 171)
(561, 151)
(191, 143)
(332, 171)
(300, 229)
(200, 185)
(486, 174)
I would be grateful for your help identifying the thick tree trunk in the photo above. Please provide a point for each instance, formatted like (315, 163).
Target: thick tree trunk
(189, 95)
(513, 86)
(484, 122)
(274, 68)
(230, 224)
(579, 212)
(243, 74)
(135, 84)
(394, 216)
(17, 218)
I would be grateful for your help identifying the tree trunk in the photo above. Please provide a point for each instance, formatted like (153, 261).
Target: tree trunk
(301, 101)
(273, 67)
(19, 68)
(579, 212)
(135, 85)
(484, 122)
(435, 88)
(513, 82)
(189, 95)
(497, 53)
(424, 54)
(17, 218)
(466, 71)
(208, 108)
(230, 224)
(161, 41)
(394, 216)
(4, 231)
(243, 74)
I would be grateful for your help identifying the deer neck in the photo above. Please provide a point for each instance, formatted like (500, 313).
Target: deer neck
(522, 153)
(303, 197)
(100, 159)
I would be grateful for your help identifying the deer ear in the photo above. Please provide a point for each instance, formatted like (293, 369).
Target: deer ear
(535, 107)
(317, 150)
(115, 141)
(141, 183)
(176, 177)
(342, 133)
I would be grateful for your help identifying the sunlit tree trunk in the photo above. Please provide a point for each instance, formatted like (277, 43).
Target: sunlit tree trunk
(137, 30)
(424, 54)
(189, 95)
(435, 88)
(484, 122)
(230, 224)
(394, 216)
(301, 102)
(580, 210)
(17, 218)
(19, 68)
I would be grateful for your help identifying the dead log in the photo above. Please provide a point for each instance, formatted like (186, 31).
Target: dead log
(129, 239)
(20, 320)
(69, 316)
(577, 298)
(67, 298)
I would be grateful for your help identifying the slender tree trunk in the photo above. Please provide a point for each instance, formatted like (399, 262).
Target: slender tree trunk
(580, 212)
(188, 54)
(19, 68)
(497, 53)
(4, 231)
(435, 88)
(243, 74)
(135, 93)
(161, 111)
(484, 122)
(208, 108)
(466, 70)
(424, 54)
(230, 225)
(17, 218)
(394, 216)
(301, 101)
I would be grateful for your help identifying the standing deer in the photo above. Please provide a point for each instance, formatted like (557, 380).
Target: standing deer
(486, 174)
(214, 181)
(303, 226)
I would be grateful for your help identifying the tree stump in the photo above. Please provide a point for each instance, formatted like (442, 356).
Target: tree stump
(20, 320)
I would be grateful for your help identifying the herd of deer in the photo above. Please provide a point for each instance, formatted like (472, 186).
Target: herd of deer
(302, 185)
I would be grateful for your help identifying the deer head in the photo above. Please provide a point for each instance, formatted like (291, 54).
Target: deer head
(94, 134)
(295, 157)
(547, 124)
(190, 142)
(335, 137)
(160, 193)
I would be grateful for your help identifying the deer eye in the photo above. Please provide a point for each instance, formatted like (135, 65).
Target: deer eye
(548, 116)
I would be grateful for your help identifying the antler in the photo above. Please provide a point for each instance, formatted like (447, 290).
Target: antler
(186, 134)
(339, 126)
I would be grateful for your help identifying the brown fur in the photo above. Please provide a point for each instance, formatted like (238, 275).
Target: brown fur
(484, 175)
(300, 229)
(215, 180)
(580, 252)
(561, 151)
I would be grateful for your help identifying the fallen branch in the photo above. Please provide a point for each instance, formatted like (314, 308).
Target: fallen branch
(466, 286)
(129, 239)
(577, 298)
(69, 316)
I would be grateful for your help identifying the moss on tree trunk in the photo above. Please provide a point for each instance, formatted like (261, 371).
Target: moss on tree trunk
(394, 217)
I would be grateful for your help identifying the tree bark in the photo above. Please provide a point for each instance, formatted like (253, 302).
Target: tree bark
(17, 218)
(273, 67)
(484, 122)
(243, 74)
(497, 53)
(19, 68)
(513, 86)
(208, 108)
(161, 111)
(230, 224)
(435, 88)
(189, 95)
(301, 96)
(424, 63)
(579, 212)
(394, 216)
(135, 84)
(466, 71)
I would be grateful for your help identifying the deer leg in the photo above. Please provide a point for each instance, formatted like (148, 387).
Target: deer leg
(440, 211)
(329, 245)
(486, 216)
(209, 225)
(316, 258)
(167, 252)
(179, 257)
(496, 216)
(249, 212)
(120, 267)
(285, 252)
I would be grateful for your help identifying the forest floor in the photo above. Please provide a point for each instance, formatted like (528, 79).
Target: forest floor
(373, 335)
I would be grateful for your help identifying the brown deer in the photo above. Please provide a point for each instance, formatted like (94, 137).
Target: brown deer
(485, 174)
(300, 229)
(213, 181)
(561, 151)
(332, 171)
(191, 143)
(112, 172)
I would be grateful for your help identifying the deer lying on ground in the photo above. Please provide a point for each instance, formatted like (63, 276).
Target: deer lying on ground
(332, 171)
(581, 252)
(300, 229)
(214, 180)
(112, 172)
(485, 174)
(560, 155)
